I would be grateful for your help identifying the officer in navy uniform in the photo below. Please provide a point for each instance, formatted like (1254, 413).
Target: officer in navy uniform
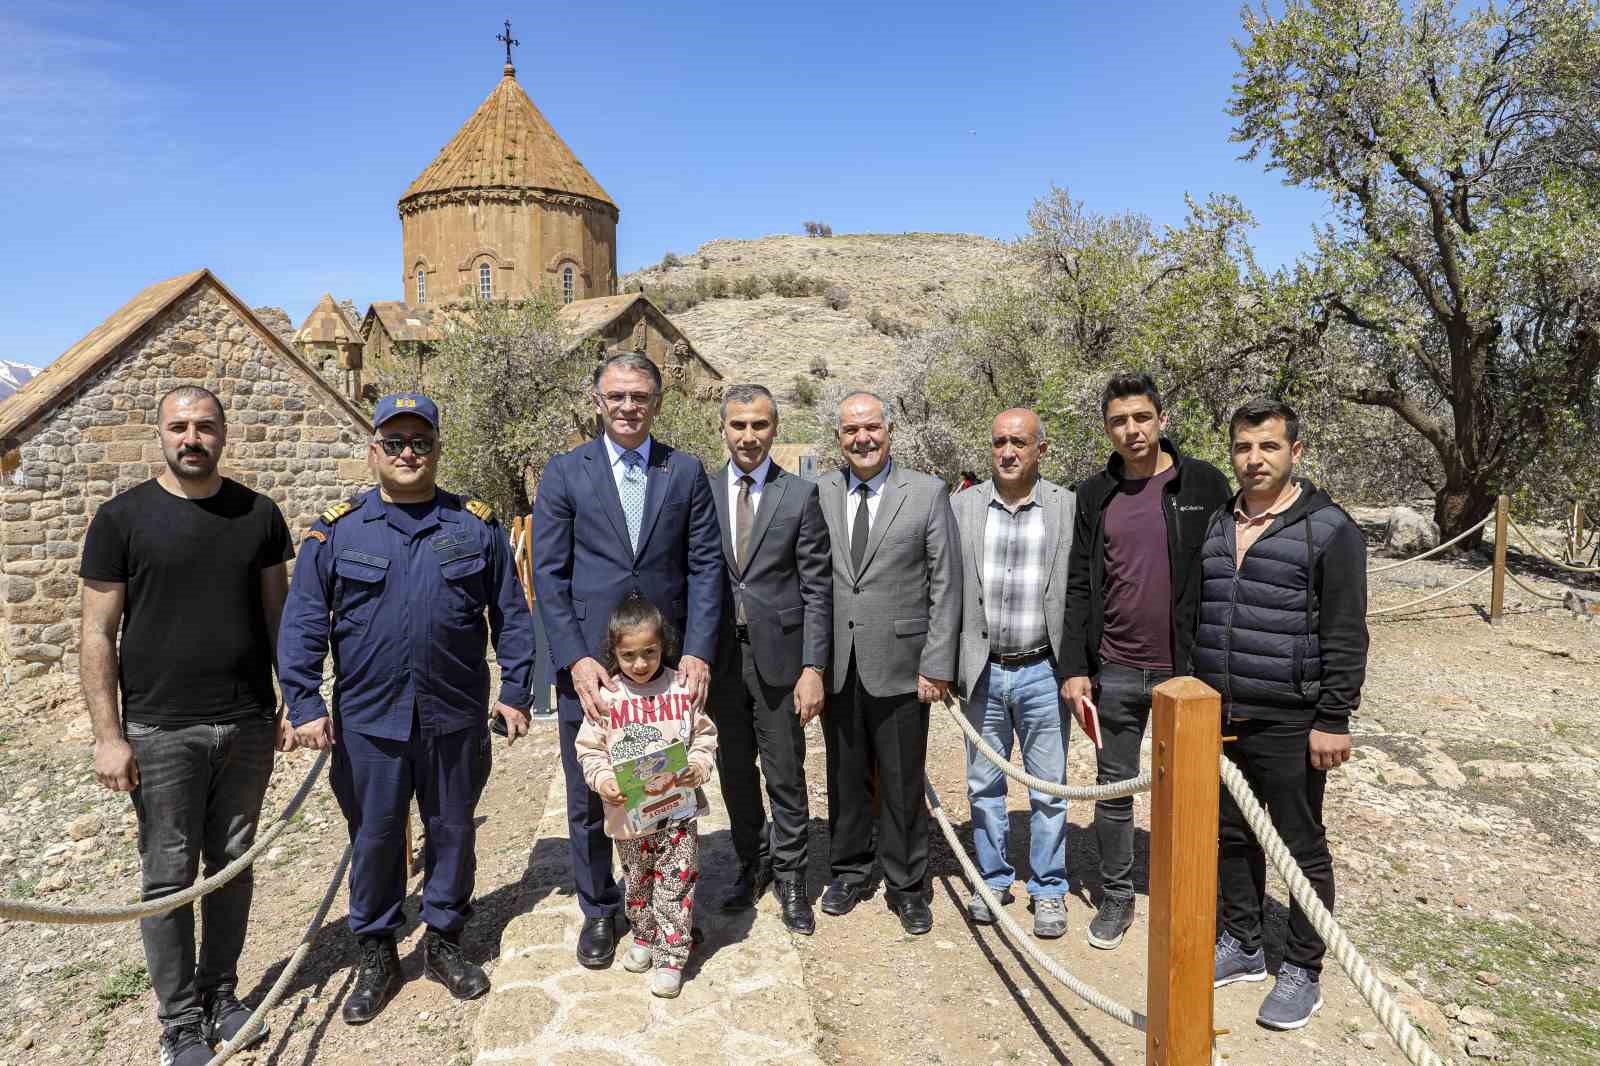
(400, 578)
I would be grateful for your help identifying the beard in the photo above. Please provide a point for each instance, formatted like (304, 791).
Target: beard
(191, 464)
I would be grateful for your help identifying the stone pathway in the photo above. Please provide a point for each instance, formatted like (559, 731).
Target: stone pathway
(743, 1001)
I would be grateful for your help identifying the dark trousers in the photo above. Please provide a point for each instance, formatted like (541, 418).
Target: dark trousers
(598, 894)
(757, 721)
(199, 799)
(1122, 696)
(890, 734)
(1275, 759)
(374, 779)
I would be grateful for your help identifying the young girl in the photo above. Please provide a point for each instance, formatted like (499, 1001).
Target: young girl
(649, 710)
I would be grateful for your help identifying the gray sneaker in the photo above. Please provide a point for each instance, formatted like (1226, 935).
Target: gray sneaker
(1234, 963)
(1293, 1000)
(1110, 922)
(1049, 917)
(979, 911)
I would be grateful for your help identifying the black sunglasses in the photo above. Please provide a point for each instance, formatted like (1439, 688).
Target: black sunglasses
(421, 445)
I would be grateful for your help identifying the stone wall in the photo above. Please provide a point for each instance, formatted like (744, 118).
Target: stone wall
(285, 438)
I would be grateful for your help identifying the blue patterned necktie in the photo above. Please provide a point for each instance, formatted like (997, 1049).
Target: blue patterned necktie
(632, 492)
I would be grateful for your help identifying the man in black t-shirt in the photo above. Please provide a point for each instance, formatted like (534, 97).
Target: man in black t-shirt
(188, 569)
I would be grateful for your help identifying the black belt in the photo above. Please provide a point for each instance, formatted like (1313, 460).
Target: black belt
(1019, 658)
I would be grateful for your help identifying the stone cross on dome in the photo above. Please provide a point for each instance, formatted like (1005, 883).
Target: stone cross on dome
(510, 42)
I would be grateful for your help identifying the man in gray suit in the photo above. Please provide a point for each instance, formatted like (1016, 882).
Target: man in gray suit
(1016, 538)
(772, 652)
(896, 617)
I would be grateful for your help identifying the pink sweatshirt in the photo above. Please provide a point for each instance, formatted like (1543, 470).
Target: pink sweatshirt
(662, 704)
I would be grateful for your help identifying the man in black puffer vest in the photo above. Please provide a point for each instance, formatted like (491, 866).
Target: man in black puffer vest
(1283, 636)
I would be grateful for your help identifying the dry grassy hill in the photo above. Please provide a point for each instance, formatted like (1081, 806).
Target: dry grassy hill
(904, 281)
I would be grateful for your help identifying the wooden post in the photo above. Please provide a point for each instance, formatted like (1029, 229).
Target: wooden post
(1502, 531)
(1577, 532)
(1186, 743)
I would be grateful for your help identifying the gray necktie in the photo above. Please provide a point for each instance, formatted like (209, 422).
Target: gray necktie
(632, 492)
(859, 529)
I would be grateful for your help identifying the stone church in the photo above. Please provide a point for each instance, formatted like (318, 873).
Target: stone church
(505, 211)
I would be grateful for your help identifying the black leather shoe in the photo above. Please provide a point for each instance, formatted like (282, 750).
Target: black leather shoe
(916, 917)
(377, 981)
(445, 962)
(841, 897)
(597, 943)
(796, 908)
(753, 880)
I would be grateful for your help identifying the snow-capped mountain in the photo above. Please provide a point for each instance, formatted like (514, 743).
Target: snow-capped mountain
(13, 376)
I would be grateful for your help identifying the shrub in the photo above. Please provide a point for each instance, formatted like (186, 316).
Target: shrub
(750, 287)
(837, 297)
(888, 326)
(633, 286)
(930, 286)
(811, 228)
(711, 286)
(819, 367)
(670, 260)
(824, 230)
(805, 391)
(673, 298)
(705, 262)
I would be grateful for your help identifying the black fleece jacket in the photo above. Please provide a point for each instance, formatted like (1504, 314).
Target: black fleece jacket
(1194, 493)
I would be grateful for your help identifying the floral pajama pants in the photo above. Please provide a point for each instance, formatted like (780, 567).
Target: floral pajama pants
(660, 870)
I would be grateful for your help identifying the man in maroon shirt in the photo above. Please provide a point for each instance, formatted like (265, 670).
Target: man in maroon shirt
(1133, 584)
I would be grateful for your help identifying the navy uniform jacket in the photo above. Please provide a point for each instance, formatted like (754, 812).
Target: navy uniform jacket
(583, 564)
(406, 618)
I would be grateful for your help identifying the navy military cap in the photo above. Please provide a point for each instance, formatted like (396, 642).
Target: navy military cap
(406, 403)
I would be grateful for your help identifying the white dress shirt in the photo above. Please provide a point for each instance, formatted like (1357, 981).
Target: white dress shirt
(874, 495)
(760, 475)
(618, 467)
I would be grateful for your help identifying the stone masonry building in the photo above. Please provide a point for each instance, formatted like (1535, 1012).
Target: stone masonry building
(84, 430)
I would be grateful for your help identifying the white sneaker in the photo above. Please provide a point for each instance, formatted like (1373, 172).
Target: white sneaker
(666, 982)
(638, 958)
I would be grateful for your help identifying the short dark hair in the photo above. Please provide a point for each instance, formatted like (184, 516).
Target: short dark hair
(191, 392)
(1122, 386)
(1261, 409)
(746, 394)
(629, 361)
(633, 613)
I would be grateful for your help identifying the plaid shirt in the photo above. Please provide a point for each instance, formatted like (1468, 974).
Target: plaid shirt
(1014, 576)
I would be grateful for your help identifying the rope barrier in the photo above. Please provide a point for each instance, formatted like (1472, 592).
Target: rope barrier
(1433, 551)
(1390, 1013)
(23, 910)
(1551, 559)
(1432, 596)
(292, 968)
(1530, 590)
(1109, 790)
(1086, 992)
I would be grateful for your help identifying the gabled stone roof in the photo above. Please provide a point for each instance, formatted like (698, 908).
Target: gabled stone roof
(507, 144)
(585, 318)
(327, 324)
(400, 321)
(57, 383)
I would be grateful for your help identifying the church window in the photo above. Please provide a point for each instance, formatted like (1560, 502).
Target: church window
(485, 282)
(566, 285)
(422, 286)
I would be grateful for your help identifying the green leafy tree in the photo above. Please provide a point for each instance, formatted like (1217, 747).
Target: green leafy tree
(1459, 283)
(512, 391)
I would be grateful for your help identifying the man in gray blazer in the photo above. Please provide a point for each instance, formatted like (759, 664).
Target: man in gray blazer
(1016, 538)
(896, 617)
(772, 653)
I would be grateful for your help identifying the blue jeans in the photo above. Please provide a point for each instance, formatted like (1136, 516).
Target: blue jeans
(1021, 701)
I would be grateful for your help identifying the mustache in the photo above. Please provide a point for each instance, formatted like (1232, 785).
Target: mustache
(194, 449)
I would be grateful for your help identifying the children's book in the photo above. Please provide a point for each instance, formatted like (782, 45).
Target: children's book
(649, 783)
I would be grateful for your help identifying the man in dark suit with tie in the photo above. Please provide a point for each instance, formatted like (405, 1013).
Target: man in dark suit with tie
(622, 515)
(896, 627)
(777, 618)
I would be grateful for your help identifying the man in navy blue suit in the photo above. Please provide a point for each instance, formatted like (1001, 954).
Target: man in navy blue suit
(623, 515)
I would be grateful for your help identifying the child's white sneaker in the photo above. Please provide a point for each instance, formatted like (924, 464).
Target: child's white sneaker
(637, 958)
(666, 981)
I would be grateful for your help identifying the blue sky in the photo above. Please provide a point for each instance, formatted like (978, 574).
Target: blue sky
(270, 142)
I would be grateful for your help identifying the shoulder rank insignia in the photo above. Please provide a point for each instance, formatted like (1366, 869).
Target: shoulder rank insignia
(482, 511)
(318, 534)
(337, 511)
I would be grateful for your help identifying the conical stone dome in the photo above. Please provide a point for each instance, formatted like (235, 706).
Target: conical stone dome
(507, 144)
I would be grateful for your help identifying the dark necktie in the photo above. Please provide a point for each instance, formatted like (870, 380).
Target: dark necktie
(860, 529)
(744, 517)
